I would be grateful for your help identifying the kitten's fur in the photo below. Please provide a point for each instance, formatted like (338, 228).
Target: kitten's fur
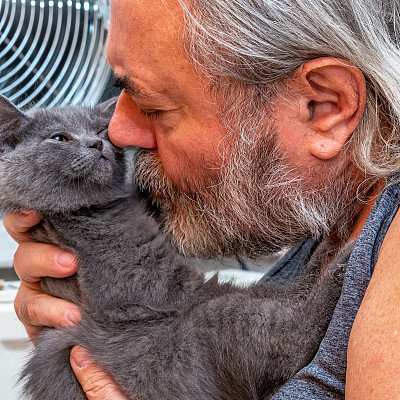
(150, 320)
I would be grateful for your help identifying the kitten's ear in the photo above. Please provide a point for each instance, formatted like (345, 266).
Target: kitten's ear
(11, 122)
(108, 107)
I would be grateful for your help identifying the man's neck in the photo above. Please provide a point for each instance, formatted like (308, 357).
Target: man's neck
(362, 217)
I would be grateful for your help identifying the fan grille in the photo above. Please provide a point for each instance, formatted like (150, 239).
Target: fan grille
(53, 52)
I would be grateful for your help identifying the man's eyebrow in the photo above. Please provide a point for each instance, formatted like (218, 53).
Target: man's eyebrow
(123, 82)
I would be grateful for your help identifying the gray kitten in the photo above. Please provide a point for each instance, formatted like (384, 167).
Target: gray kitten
(148, 319)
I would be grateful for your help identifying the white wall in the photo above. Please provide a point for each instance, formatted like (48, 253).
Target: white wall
(7, 247)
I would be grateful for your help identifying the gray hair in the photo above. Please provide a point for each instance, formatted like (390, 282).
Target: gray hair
(255, 44)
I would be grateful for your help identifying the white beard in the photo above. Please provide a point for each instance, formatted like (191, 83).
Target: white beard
(254, 204)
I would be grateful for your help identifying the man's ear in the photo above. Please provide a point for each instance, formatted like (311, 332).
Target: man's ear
(332, 96)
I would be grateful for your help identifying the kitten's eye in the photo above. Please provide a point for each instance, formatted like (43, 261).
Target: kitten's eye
(60, 138)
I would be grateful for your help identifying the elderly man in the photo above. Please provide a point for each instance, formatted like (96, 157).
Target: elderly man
(262, 124)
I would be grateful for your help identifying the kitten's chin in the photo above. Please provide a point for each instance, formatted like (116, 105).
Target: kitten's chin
(103, 162)
(103, 171)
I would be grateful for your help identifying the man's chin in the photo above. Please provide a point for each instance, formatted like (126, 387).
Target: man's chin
(196, 234)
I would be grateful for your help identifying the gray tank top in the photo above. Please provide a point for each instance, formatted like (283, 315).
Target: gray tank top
(324, 378)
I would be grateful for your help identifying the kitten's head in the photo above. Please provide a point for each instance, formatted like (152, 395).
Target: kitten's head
(57, 159)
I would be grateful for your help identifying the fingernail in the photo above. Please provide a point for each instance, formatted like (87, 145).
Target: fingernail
(65, 259)
(73, 316)
(80, 357)
(30, 213)
(30, 217)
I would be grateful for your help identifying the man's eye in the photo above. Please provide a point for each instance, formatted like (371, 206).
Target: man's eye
(150, 115)
(60, 138)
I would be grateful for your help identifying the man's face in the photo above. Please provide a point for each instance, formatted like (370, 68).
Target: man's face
(221, 194)
(165, 105)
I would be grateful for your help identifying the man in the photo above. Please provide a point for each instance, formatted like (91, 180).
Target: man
(262, 124)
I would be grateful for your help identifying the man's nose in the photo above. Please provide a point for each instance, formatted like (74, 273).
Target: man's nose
(128, 127)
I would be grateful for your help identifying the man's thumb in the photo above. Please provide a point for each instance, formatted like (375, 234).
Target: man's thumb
(95, 383)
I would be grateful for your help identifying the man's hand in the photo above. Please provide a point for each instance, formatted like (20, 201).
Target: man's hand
(31, 262)
(36, 309)
(95, 383)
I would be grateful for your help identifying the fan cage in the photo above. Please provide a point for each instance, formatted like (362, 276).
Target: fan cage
(53, 52)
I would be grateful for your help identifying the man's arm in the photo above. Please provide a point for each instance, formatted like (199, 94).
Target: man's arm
(373, 370)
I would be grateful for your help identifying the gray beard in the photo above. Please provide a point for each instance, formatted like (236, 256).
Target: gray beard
(254, 204)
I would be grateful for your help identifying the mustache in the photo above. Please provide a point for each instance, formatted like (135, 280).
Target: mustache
(150, 176)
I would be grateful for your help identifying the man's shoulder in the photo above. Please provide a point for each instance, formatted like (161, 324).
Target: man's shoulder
(389, 254)
(374, 344)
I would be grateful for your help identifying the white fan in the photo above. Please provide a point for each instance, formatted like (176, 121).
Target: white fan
(53, 52)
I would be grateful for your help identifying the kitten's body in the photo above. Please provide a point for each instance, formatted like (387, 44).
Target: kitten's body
(148, 318)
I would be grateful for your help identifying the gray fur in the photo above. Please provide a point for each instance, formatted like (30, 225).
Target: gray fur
(149, 319)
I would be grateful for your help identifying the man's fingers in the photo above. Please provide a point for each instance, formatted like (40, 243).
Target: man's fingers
(31, 262)
(95, 383)
(18, 224)
(34, 260)
(35, 309)
(69, 317)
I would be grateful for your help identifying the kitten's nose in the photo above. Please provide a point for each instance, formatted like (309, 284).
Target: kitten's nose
(97, 144)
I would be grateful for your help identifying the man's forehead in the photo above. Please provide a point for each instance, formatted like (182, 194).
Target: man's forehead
(150, 61)
(147, 13)
(146, 53)
(143, 33)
